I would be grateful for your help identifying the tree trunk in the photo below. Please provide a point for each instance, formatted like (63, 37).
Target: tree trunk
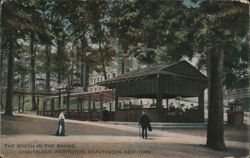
(123, 65)
(9, 93)
(84, 66)
(72, 73)
(121, 60)
(60, 53)
(59, 80)
(104, 71)
(33, 72)
(47, 51)
(85, 72)
(22, 79)
(248, 37)
(103, 61)
(22, 86)
(77, 66)
(1, 60)
(125, 51)
(215, 129)
(72, 64)
(1, 78)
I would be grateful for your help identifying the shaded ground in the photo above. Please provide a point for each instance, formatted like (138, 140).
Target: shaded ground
(234, 133)
(11, 126)
(33, 137)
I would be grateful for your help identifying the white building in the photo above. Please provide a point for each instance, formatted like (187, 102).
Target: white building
(95, 77)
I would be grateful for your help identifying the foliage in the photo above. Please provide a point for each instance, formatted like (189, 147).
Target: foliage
(215, 30)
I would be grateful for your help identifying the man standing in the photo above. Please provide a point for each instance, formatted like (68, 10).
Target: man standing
(145, 124)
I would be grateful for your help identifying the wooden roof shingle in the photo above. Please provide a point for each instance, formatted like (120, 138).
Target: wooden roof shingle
(181, 68)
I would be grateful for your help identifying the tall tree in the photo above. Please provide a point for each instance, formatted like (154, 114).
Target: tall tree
(25, 21)
(33, 70)
(46, 15)
(37, 30)
(9, 32)
(202, 30)
(88, 20)
(123, 19)
(79, 18)
(1, 59)
(9, 93)
(216, 35)
(59, 24)
(48, 67)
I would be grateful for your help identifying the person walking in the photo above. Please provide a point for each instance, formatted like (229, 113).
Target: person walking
(145, 125)
(61, 127)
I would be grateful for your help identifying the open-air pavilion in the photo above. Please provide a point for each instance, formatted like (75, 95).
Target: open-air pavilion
(89, 105)
(180, 79)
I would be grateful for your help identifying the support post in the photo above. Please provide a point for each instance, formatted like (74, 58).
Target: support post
(159, 98)
(37, 101)
(59, 99)
(89, 105)
(52, 107)
(38, 108)
(44, 102)
(46, 108)
(101, 105)
(159, 94)
(78, 110)
(159, 101)
(93, 103)
(82, 104)
(23, 103)
(201, 105)
(19, 102)
(110, 106)
(68, 101)
(116, 100)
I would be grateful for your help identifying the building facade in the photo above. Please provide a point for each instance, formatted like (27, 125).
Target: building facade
(96, 77)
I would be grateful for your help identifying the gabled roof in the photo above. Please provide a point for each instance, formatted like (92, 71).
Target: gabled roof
(185, 68)
(181, 68)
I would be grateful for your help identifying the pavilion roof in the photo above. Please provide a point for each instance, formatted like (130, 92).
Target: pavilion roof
(107, 95)
(179, 69)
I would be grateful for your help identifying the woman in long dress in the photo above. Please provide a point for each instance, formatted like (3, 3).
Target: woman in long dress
(61, 126)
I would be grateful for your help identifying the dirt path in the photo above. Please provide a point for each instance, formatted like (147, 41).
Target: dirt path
(32, 136)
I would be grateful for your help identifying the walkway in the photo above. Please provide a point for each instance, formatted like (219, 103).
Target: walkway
(96, 139)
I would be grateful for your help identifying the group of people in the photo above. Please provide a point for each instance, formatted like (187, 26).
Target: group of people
(144, 123)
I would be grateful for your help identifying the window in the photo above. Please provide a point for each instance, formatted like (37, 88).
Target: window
(94, 81)
(113, 75)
